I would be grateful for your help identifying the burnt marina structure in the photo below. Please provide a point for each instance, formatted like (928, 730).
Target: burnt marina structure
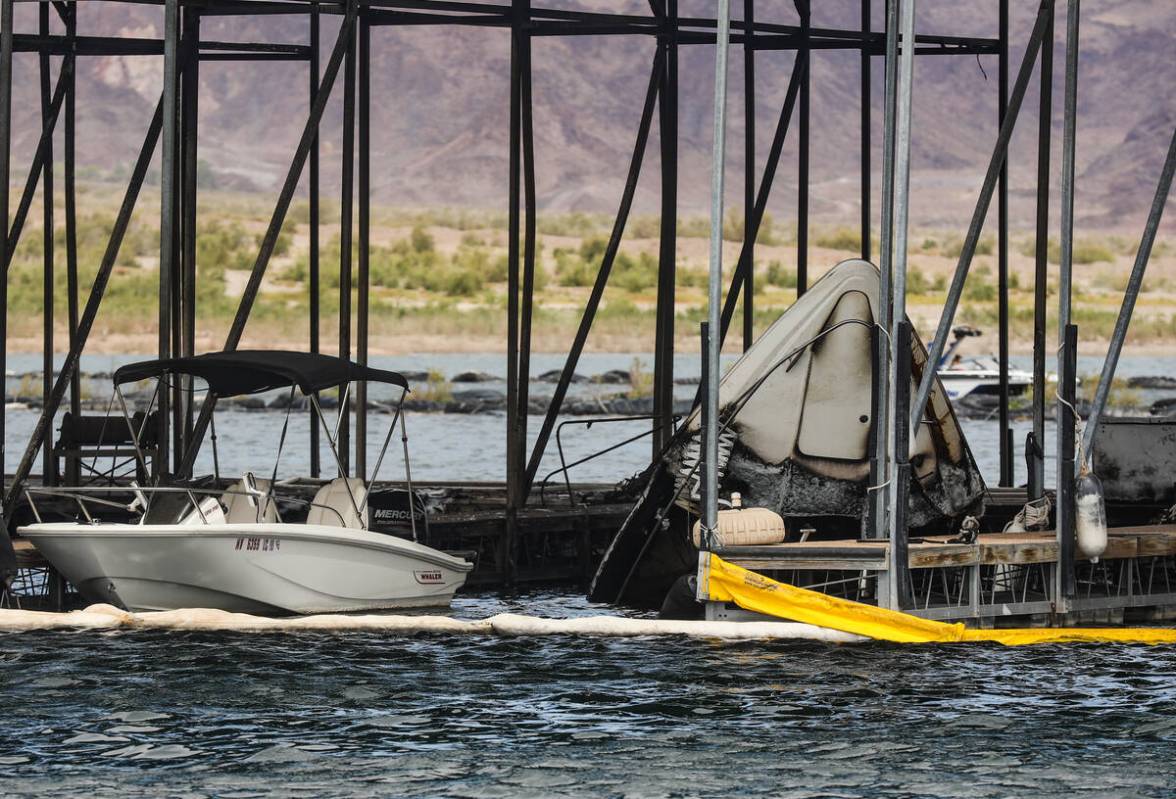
(515, 527)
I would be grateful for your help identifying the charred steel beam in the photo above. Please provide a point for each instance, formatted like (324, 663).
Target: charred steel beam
(1035, 455)
(748, 175)
(999, 153)
(347, 194)
(190, 119)
(86, 322)
(57, 44)
(663, 358)
(866, 167)
(47, 460)
(1002, 256)
(313, 221)
(265, 252)
(610, 254)
(169, 140)
(7, 554)
(527, 311)
(365, 175)
(765, 188)
(69, 158)
(802, 147)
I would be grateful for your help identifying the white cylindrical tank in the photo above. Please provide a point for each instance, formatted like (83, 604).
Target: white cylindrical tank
(741, 526)
(1090, 516)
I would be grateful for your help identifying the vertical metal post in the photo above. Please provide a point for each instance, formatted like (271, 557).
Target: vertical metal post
(7, 555)
(900, 353)
(1002, 253)
(749, 169)
(881, 471)
(527, 129)
(73, 466)
(1067, 334)
(47, 461)
(714, 288)
(190, 119)
(866, 95)
(802, 144)
(514, 488)
(1035, 455)
(365, 168)
(663, 356)
(168, 210)
(898, 565)
(312, 202)
(343, 439)
(1066, 463)
(1130, 295)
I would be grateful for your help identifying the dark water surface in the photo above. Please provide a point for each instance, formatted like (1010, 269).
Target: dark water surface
(153, 713)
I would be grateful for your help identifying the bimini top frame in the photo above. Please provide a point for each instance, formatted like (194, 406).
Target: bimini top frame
(240, 372)
(237, 372)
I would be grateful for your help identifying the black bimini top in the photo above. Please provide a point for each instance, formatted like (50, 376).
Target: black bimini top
(238, 372)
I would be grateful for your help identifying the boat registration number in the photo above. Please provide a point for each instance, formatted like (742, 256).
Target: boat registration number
(245, 544)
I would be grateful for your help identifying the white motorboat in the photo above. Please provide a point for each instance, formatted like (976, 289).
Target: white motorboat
(963, 377)
(248, 548)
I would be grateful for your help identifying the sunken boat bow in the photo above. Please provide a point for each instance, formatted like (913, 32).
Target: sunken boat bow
(796, 423)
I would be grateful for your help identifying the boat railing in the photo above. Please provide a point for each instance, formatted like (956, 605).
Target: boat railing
(141, 503)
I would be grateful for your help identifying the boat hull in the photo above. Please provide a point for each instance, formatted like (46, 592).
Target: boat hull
(248, 568)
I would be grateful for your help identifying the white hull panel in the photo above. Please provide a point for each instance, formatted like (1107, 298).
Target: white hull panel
(248, 568)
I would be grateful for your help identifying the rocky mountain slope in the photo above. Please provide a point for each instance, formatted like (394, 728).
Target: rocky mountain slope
(441, 105)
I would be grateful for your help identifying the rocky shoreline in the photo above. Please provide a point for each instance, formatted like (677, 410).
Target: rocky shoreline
(609, 393)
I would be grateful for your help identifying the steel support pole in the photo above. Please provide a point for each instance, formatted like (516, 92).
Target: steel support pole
(802, 171)
(1130, 295)
(663, 356)
(1002, 255)
(73, 466)
(312, 202)
(710, 493)
(968, 251)
(346, 200)
(866, 95)
(884, 421)
(527, 128)
(900, 353)
(1035, 449)
(269, 240)
(86, 322)
(365, 179)
(168, 212)
(1067, 334)
(1067, 434)
(514, 489)
(610, 253)
(7, 555)
(190, 127)
(47, 230)
(748, 170)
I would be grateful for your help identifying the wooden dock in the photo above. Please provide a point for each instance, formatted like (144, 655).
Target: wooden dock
(999, 578)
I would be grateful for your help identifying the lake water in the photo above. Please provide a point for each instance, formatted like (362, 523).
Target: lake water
(180, 714)
(231, 715)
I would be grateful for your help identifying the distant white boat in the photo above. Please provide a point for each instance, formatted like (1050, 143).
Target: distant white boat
(978, 376)
(232, 550)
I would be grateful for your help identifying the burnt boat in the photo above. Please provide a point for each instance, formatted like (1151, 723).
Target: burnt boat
(795, 425)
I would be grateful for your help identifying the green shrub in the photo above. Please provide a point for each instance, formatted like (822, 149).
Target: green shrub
(781, 276)
(843, 239)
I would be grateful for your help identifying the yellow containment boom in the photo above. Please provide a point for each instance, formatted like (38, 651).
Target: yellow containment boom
(721, 581)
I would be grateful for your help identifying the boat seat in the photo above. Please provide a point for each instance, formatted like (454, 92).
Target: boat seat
(333, 506)
(239, 509)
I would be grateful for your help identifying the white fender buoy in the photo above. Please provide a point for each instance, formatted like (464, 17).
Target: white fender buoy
(1090, 516)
